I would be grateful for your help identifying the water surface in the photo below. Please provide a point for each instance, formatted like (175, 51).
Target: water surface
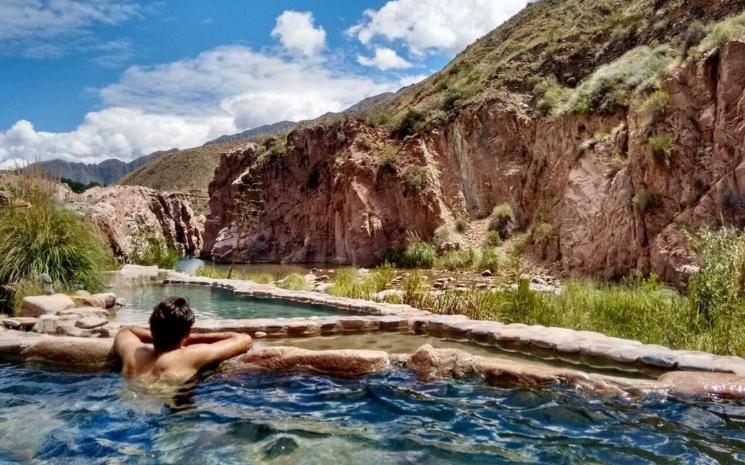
(62, 418)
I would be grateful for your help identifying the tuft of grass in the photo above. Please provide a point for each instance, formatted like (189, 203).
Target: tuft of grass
(418, 254)
(501, 220)
(363, 141)
(41, 237)
(150, 248)
(416, 178)
(656, 104)
(411, 123)
(645, 200)
(455, 260)
(611, 86)
(492, 239)
(491, 259)
(386, 161)
(209, 271)
(550, 95)
(660, 149)
(349, 283)
(442, 235)
(293, 282)
(724, 31)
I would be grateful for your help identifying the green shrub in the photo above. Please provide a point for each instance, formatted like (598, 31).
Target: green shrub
(386, 161)
(718, 290)
(656, 104)
(660, 150)
(442, 235)
(293, 282)
(149, 248)
(455, 98)
(416, 179)
(501, 220)
(382, 118)
(540, 233)
(41, 237)
(418, 254)
(611, 86)
(646, 200)
(550, 95)
(457, 259)
(491, 259)
(350, 283)
(363, 141)
(694, 35)
(222, 272)
(411, 123)
(726, 30)
(492, 239)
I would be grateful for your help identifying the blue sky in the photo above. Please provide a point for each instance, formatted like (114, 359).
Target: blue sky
(86, 80)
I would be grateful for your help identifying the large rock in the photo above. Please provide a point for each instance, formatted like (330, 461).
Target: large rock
(36, 306)
(126, 213)
(343, 363)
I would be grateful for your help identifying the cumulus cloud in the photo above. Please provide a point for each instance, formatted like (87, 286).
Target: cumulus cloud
(298, 34)
(187, 102)
(35, 28)
(384, 59)
(442, 25)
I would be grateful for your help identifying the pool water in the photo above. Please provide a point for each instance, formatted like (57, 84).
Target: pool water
(63, 418)
(208, 302)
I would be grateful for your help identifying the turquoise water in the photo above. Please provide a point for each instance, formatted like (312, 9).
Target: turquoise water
(63, 418)
(208, 303)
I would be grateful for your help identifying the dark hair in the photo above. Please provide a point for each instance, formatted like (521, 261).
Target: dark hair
(171, 322)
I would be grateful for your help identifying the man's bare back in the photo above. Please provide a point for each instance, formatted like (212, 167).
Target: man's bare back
(168, 352)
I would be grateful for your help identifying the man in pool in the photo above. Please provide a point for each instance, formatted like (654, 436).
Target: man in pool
(168, 352)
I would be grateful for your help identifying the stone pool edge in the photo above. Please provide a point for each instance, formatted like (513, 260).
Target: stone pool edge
(378, 316)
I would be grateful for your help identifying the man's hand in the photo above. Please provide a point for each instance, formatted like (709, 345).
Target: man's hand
(209, 338)
(142, 334)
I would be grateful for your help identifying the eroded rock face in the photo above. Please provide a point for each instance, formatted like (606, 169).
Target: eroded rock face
(125, 213)
(612, 206)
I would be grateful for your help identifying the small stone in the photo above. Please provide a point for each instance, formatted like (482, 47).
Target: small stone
(487, 273)
(281, 446)
(121, 302)
(259, 334)
(323, 278)
(323, 287)
(108, 299)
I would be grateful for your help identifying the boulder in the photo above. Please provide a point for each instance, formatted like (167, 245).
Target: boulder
(343, 363)
(91, 322)
(108, 299)
(138, 272)
(35, 306)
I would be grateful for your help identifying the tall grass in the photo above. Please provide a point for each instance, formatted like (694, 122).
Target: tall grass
(350, 283)
(293, 282)
(210, 271)
(722, 32)
(38, 236)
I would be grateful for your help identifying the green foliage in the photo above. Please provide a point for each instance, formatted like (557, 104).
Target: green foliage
(694, 35)
(458, 259)
(455, 98)
(222, 272)
(492, 239)
(491, 259)
(660, 150)
(381, 118)
(17, 291)
(418, 254)
(611, 86)
(726, 30)
(501, 220)
(41, 237)
(718, 290)
(150, 248)
(416, 178)
(350, 283)
(386, 161)
(656, 104)
(411, 123)
(442, 235)
(550, 95)
(293, 282)
(645, 200)
(503, 211)
(78, 187)
(363, 141)
(540, 233)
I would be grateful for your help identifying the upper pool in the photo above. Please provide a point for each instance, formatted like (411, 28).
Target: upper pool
(209, 302)
(62, 418)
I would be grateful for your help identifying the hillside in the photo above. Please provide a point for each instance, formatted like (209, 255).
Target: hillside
(105, 173)
(605, 126)
(266, 130)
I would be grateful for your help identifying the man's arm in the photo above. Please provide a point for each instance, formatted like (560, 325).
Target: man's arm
(129, 338)
(206, 349)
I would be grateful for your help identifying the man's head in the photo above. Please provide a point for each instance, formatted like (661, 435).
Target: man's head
(170, 323)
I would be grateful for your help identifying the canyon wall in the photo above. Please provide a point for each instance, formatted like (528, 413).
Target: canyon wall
(613, 206)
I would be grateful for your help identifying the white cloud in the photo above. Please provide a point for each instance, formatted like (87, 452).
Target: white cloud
(297, 33)
(36, 28)
(384, 59)
(187, 102)
(443, 25)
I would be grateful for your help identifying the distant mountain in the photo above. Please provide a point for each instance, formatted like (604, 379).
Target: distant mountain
(105, 173)
(266, 130)
(365, 104)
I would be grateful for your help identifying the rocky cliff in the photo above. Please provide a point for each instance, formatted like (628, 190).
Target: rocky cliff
(126, 214)
(611, 178)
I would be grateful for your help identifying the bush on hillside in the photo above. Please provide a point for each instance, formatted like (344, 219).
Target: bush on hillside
(502, 220)
(411, 123)
(418, 254)
(660, 149)
(724, 31)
